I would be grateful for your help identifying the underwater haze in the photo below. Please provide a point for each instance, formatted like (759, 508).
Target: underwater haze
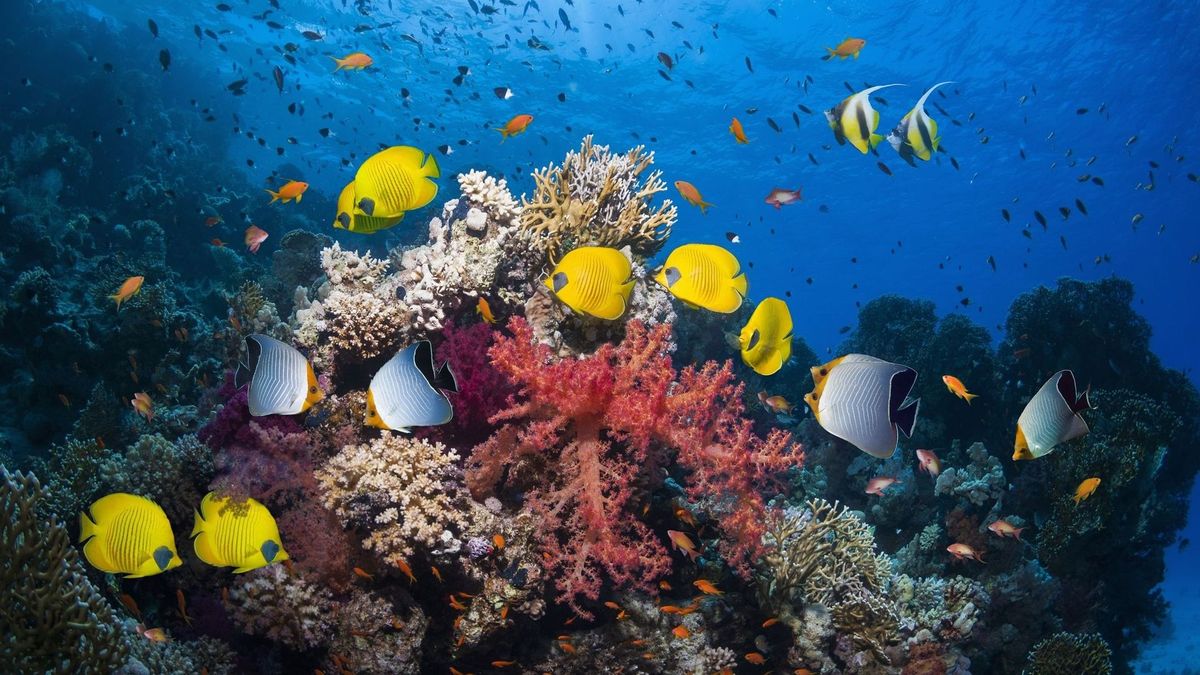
(561, 336)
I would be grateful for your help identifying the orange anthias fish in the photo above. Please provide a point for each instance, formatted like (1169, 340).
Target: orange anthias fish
(685, 516)
(498, 541)
(779, 197)
(143, 405)
(963, 552)
(929, 462)
(363, 574)
(692, 195)
(292, 191)
(255, 236)
(217, 242)
(776, 404)
(681, 632)
(957, 388)
(706, 587)
(755, 658)
(483, 309)
(438, 574)
(664, 585)
(353, 61)
(213, 220)
(1086, 489)
(683, 543)
(1003, 528)
(128, 289)
(518, 124)
(877, 485)
(848, 47)
(502, 664)
(739, 134)
(131, 604)
(182, 606)
(400, 563)
(152, 634)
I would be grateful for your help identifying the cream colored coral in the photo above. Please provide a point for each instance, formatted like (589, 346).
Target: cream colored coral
(490, 194)
(282, 606)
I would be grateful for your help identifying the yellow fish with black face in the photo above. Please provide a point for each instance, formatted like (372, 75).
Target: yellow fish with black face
(766, 339)
(242, 535)
(704, 275)
(854, 120)
(593, 280)
(917, 133)
(360, 223)
(127, 534)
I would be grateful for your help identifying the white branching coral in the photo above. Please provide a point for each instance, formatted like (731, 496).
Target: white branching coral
(282, 606)
(405, 493)
(488, 194)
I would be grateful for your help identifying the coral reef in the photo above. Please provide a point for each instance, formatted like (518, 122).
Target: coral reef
(1070, 653)
(282, 606)
(979, 483)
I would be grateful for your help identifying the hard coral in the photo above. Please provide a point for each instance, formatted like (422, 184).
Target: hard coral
(282, 606)
(585, 436)
(597, 198)
(1078, 654)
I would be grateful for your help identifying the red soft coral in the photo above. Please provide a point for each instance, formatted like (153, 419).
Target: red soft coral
(584, 435)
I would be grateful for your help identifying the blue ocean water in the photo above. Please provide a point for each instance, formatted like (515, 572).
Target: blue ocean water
(1053, 105)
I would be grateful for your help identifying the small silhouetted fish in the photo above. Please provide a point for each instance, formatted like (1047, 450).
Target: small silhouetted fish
(153, 27)
(324, 131)
(805, 109)
(954, 163)
(965, 302)
(503, 93)
(277, 73)
(884, 168)
(812, 159)
(774, 125)
(562, 97)
(1194, 178)
(1081, 111)
(733, 238)
(664, 75)
(992, 261)
(313, 35)
(1098, 181)
(749, 66)
(1132, 139)
(847, 86)
(1137, 218)
(1005, 216)
(1080, 206)
(1026, 233)
(238, 87)
(196, 30)
(665, 59)
(1066, 213)
(796, 118)
(562, 16)
(445, 149)
(164, 58)
(223, 7)
(1040, 218)
(1063, 240)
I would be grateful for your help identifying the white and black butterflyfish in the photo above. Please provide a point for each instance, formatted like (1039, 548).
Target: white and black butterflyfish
(280, 380)
(409, 391)
(854, 120)
(1051, 417)
(917, 133)
(864, 401)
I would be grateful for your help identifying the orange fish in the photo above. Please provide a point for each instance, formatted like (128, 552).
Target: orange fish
(1085, 489)
(360, 572)
(779, 197)
(224, 596)
(877, 485)
(143, 405)
(438, 574)
(848, 47)
(692, 195)
(216, 242)
(128, 289)
(685, 516)
(400, 563)
(213, 220)
(255, 236)
(353, 61)
(776, 404)
(706, 587)
(457, 605)
(483, 309)
(755, 658)
(957, 388)
(292, 191)
(502, 664)
(664, 585)
(1003, 528)
(739, 134)
(131, 605)
(498, 541)
(770, 622)
(182, 606)
(681, 632)
(683, 543)
(152, 634)
(963, 552)
(612, 605)
(929, 462)
(62, 398)
(504, 612)
(567, 647)
(514, 126)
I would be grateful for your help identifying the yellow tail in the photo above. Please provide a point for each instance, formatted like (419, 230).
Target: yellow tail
(503, 133)
(274, 196)
(968, 396)
(704, 207)
(341, 63)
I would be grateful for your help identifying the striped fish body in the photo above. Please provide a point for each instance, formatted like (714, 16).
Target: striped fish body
(127, 534)
(593, 280)
(395, 180)
(862, 400)
(854, 120)
(242, 535)
(917, 133)
(281, 381)
(704, 275)
(359, 223)
(766, 339)
(407, 391)
(1051, 417)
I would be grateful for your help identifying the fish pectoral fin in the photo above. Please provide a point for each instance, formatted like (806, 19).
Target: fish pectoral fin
(905, 417)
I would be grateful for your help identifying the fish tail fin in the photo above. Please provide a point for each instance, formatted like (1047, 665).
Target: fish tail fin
(704, 207)
(503, 133)
(856, 55)
(968, 396)
(905, 418)
(87, 527)
(876, 139)
(117, 298)
(1017, 533)
(829, 55)
(341, 63)
(274, 196)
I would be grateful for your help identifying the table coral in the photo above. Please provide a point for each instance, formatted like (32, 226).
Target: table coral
(585, 435)
(597, 198)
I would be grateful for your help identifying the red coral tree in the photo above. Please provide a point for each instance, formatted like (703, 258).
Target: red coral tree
(584, 436)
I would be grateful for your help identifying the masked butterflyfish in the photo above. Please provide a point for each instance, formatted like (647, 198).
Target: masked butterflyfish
(593, 280)
(237, 534)
(855, 120)
(704, 275)
(766, 339)
(127, 534)
(407, 391)
(863, 400)
(347, 219)
(281, 380)
(395, 180)
(917, 132)
(1051, 417)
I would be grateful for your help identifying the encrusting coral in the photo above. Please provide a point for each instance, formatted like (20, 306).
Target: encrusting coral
(597, 198)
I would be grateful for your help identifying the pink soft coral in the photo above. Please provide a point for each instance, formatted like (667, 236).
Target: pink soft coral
(585, 434)
(482, 390)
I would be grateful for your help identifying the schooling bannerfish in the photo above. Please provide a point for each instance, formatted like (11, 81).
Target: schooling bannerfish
(704, 275)
(280, 380)
(593, 280)
(127, 534)
(863, 400)
(408, 391)
(917, 133)
(854, 120)
(1051, 417)
(242, 535)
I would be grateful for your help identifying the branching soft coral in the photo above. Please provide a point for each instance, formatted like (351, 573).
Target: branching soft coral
(585, 435)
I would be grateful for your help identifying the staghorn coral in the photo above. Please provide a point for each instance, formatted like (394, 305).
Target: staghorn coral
(1082, 654)
(584, 436)
(53, 618)
(600, 199)
(405, 493)
(282, 606)
(978, 483)
(374, 637)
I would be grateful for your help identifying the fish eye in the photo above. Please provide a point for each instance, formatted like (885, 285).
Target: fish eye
(312, 390)
(824, 372)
